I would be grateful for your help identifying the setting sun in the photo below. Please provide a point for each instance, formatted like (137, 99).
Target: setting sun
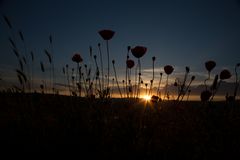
(147, 97)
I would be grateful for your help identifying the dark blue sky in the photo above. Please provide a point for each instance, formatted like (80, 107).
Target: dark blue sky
(180, 33)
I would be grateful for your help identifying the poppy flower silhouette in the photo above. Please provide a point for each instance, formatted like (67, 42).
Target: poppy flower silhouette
(77, 58)
(106, 34)
(210, 65)
(130, 63)
(168, 69)
(225, 74)
(138, 51)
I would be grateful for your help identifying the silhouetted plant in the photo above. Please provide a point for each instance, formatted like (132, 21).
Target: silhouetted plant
(115, 73)
(107, 35)
(209, 65)
(52, 64)
(129, 64)
(236, 81)
(100, 52)
(138, 52)
(182, 87)
(127, 71)
(224, 74)
(97, 74)
(78, 59)
(168, 70)
(159, 85)
(151, 81)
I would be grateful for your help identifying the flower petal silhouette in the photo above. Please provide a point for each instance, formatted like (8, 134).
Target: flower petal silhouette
(106, 34)
(168, 69)
(138, 51)
(225, 74)
(77, 58)
(210, 65)
(130, 63)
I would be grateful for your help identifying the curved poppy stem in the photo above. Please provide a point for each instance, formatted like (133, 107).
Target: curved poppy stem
(214, 93)
(184, 93)
(207, 80)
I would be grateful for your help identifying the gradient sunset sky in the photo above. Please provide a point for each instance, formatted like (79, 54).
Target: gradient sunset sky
(178, 32)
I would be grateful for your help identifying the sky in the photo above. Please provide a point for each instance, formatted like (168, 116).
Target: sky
(179, 33)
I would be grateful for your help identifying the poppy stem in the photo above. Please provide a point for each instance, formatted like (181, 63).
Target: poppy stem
(100, 52)
(97, 74)
(80, 81)
(236, 83)
(214, 92)
(139, 78)
(68, 81)
(159, 84)
(184, 92)
(108, 65)
(135, 87)
(207, 80)
(117, 80)
(166, 88)
(53, 74)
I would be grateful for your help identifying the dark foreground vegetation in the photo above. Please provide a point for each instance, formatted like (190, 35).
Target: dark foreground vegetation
(120, 128)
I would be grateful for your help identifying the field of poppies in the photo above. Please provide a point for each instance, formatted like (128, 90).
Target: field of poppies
(89, 120)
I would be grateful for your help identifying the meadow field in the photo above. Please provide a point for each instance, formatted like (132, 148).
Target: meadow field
(119, 127)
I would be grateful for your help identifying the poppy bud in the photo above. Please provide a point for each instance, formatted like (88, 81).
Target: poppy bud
(153, 58)
(193, 77)
(113, 61)
(187, 69)
(130, 63)
(77, 58)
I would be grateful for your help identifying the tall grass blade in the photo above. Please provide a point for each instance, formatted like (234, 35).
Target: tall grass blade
(6, 19)
(49, 56)
(22, 74)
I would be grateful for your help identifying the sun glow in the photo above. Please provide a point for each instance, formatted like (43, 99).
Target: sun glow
(146, 97)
